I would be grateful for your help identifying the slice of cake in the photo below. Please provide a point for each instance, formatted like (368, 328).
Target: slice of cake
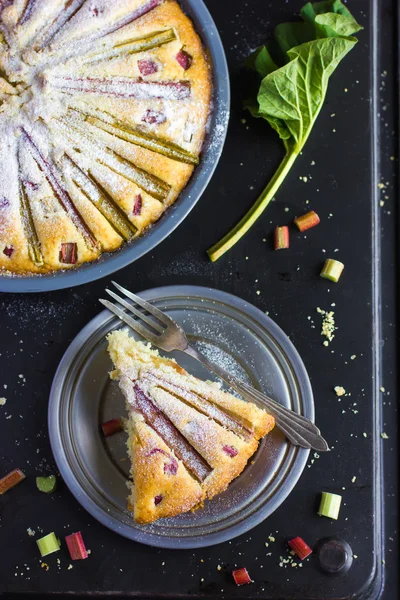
(187, 438)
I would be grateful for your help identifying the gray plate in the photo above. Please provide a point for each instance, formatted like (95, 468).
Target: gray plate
(213, 145)
(238, 336)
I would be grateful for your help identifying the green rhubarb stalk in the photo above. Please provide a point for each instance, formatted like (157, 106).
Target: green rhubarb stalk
(255, 211)
(291, 96)
(100, 198)
(153, 40)
(34, 248)
(145, 140)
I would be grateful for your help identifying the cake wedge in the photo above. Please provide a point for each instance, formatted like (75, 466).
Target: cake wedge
(187, 439)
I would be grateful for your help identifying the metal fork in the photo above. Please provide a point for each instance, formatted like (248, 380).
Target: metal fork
(163, 332)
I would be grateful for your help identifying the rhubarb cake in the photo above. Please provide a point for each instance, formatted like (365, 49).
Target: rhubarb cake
(187, 439)
(103, 111)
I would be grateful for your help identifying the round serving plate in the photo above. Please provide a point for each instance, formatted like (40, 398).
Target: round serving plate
(229, 331)
(212, 150)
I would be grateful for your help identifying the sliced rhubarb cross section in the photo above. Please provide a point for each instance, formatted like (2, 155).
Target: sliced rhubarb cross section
(111, 427)
(76, 546)
(124, 87)
(171, 436)
(11, 480)
(154, 117)
(147, 67)
(158, 499)
(184, 59)
(230, 451)
(137, 205)
(68, 253)
(61, 194)
(46, 485)
(8, 251)
(170, 467)
(241, 576)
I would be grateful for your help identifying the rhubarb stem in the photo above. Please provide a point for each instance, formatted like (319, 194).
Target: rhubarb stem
(257, 209)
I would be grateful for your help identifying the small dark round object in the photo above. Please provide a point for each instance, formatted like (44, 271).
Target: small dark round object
(335, 555)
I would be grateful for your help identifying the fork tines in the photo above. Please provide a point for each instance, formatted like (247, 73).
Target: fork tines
(156, 323)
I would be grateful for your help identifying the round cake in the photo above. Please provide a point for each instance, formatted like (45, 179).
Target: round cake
(103, 110)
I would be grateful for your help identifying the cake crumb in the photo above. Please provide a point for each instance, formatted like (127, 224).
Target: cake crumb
(328, 326)
(30, 532)
(339, 390)
(384, 436)
(3, 401)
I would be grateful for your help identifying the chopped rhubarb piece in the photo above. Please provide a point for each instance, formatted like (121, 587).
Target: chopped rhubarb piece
(68, 253)
(96, 12)
(46, 484)
(30, 185)
(184, 59)
(299, 546)
(158, 499)
(153, 117)
(281, 238)
(230, 451)
(48, 544)
(4, 202)
(332, 270)
(111, 427)
(241, 576)
(8, 251)
(310, 219)
(11, 480)
(147, 67)
(137, 205)
(171, 467)
(330, 505)
(76, 546)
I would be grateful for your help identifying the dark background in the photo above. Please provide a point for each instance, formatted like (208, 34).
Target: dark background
(352, 151)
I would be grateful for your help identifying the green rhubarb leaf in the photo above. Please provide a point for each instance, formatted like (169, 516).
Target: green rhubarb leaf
(295, 93)
(294, 72)
(333, 25)
(261, 61)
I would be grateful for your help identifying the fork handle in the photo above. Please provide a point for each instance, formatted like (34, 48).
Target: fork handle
(298, 429)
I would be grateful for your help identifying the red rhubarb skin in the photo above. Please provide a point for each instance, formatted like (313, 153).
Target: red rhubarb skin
(241, 576)
(299, 546)
(307, 221)
(111, 427)
(281, 238)
(76, 546)
(11, 480)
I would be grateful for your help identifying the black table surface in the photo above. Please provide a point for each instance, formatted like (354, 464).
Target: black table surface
(351, 150)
